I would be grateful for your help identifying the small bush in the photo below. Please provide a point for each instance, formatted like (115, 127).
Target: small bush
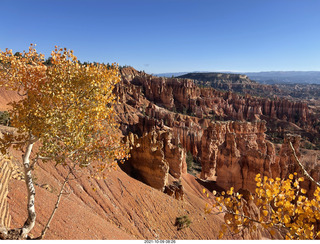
(182, 222)
(193, 164)
(309, 146)
(189, 160)
(4, 118)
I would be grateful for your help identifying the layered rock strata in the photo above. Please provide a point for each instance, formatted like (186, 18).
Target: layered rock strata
(238, 152)
(153, 157)
(230, 152)
(184, 96)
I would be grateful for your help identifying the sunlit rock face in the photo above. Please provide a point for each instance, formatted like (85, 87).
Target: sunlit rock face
(171, 117)
(237, 151)
(154, 157)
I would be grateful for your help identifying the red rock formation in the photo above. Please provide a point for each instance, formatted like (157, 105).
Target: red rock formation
(175, 190)
(147, 159)
(153, 157)
(184, 95)
(230, 152)
(175, 155)
(287, 162)
(235, 152)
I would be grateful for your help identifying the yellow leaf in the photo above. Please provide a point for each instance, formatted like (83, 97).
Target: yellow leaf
(230, 192)
(286, 219)
(265, 212)
(269, 193)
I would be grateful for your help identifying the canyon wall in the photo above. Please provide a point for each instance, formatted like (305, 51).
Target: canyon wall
(231, 152)
(184, 96)
(238, 152)
(153, 157)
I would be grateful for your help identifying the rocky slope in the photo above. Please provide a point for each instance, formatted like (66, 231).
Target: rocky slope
(5, 176)
(118, 207)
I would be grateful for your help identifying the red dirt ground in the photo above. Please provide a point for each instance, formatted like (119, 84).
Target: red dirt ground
(119, 207)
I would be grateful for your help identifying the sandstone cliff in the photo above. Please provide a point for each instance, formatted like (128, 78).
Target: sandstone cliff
(184, 96)
(153, 157)
(230, 152)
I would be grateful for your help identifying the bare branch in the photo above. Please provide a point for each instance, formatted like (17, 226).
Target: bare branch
(43, 233)
(35, 160)
(305, 172)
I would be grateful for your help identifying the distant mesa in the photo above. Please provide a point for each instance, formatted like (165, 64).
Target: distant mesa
(239, 83)
(219, 77)
(286, 77)
(264, 77)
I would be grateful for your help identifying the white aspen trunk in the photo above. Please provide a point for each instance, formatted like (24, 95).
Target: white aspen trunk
(30, 222)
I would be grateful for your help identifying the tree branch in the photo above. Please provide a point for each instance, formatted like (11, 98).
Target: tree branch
(43, 233)
(35, 160)
(305, 172)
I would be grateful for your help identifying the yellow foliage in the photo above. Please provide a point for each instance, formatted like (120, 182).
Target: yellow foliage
(66, 106)
(283, 209)
(265, 212)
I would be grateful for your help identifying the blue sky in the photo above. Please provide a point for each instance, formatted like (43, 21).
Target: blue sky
(171, 35)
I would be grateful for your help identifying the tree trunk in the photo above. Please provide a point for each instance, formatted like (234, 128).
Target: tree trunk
(30, 222)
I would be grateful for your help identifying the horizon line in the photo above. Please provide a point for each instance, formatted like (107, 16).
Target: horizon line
(230, 71)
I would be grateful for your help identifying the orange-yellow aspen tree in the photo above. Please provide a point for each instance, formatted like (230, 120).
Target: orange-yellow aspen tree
(65, 107)
(278, 206)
